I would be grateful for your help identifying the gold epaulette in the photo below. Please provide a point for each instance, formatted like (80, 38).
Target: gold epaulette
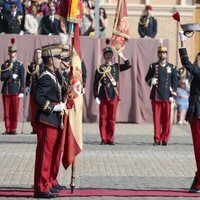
(36, 71)
(10, 66)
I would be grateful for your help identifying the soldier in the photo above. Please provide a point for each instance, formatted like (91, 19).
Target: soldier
(48, 97)
(12, 75)
(34, 69)
(162, 78)
(193, 113)
(107, 97)
(147, 26)
(13, 20)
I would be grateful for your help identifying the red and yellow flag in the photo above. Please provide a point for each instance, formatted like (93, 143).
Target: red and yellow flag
(72, 143)
(121, 26)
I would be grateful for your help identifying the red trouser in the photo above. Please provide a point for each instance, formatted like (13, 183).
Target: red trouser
(195, 128)
(107, 119)
(161, 119)
(33, 112)
(48, 154)
(11, 111)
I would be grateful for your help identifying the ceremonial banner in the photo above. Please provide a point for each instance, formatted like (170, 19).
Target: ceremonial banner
(121, 26)
(73, 142)
(71, 12)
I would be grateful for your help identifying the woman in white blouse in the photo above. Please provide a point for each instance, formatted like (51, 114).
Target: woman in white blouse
(32, 22)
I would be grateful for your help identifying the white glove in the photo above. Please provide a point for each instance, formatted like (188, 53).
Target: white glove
(27, 90)
(182, 36)
(21, 95)
(97, 100)
(59, 108)
(154, 81)
(171, 100)
(15, 76)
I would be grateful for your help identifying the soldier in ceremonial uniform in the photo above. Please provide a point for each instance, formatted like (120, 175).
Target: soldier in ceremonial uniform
(12, 75)
(48, 97)
(162, 79)
(34, 69)
(107, 76)
(193, 113)
(13, 20)
(147, 26)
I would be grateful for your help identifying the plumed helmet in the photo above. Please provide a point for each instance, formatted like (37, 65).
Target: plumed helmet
(12, 47)
(108, 48)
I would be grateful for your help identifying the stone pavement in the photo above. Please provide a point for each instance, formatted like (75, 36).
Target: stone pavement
(133, 163)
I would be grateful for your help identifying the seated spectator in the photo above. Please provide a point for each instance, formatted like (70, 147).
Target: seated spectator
(182, 101)
(88, 18)
(32, 22)
(13, 20)
(147, 26)
(51, 25)
(45, 5)
(103, 22)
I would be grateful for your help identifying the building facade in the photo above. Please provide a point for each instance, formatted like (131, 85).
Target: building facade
(168, 28)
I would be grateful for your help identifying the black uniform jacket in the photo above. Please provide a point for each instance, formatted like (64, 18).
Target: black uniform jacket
(147, 26)
(12, 24)
(10, 85)
(166, 85)
(33, 72)
(47, 95)
(194, 99)
(107, 91)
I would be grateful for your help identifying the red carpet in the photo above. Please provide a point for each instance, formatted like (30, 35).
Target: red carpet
(103, 192)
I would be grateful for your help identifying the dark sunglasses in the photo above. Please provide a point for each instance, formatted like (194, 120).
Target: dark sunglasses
(57, 56)
(13, 6)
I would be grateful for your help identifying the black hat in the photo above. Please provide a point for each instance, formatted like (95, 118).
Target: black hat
(51, 50)
(13, 2)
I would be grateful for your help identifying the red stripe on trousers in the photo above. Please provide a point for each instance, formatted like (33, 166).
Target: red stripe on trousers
(161, 119)
(48, 155)
(11, 111)
(70, 146)
(107, 119)
(195, 128)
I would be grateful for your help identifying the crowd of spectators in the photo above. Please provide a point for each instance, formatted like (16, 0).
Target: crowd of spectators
(39, 17)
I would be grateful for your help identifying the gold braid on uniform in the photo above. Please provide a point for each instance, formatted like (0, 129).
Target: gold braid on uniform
(36, 71)
(105, 71)
(10, 66)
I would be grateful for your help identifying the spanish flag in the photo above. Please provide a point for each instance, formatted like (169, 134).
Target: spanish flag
(121, 26)
(72, 142)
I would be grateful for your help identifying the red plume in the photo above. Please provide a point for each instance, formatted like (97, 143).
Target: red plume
(12, 40)
(107, 41)
(148, 7)
(176, 16)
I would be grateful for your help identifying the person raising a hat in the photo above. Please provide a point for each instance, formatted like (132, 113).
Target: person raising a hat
(12, 75)
(147, 26)
(48, 97)
(162, 79)
(107, 77)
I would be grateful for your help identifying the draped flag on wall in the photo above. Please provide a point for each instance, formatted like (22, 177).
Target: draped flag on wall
(121, 26)
(71, 12)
